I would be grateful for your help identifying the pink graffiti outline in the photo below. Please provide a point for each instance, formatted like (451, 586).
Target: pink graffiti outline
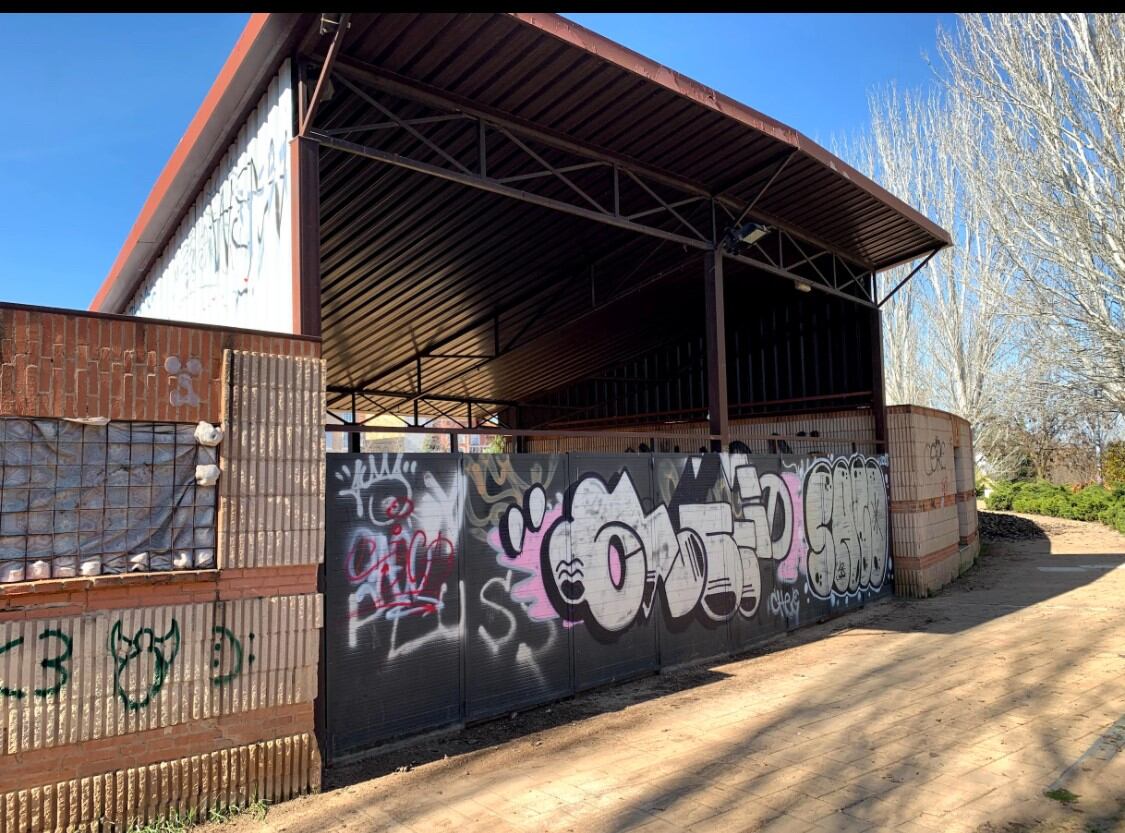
(530, 591)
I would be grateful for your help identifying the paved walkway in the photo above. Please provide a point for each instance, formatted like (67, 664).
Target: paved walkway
(947, 714)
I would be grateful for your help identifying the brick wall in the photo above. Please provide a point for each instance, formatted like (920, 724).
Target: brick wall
(77, 365)
(126, 696)
(933, 503)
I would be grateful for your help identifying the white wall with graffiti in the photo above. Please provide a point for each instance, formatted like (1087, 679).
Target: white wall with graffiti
(474, 585)
(230, 261)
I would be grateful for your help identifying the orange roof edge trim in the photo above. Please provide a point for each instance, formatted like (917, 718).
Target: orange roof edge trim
(183, 148)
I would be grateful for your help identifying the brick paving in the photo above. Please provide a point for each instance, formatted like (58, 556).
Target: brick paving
(954, 713)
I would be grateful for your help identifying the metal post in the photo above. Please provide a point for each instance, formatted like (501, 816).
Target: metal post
(305, 195)
(878, 389)
(354, 436)
(716, 340)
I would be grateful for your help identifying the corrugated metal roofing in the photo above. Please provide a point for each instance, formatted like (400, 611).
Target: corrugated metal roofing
(414, 265)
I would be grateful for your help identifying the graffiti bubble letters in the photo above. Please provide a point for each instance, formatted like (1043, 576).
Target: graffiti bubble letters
(519, 543)
(56, 664)
(151, 657)
(602, 559)
(845, 503)
(184, 374)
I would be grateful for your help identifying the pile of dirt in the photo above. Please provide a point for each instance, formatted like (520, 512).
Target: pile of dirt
(1000, 526)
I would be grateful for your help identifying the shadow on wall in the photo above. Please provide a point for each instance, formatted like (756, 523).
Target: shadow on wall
(476, 586)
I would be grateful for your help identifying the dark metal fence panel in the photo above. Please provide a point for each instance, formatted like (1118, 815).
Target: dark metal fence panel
(392, 602)
(460, 588)
(765, 493)
(613, 532)
(517, 648)
(844, 536)
(701, 575)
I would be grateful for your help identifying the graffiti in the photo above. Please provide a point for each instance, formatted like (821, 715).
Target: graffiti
(56, 663)
(935, 456)
(151, 658)
(785, 603)
(184, 373)
(519, 542)
(474, 585)
(845, 503)
(223, 264)
(228, 653)
(402, 557)
(604, 558)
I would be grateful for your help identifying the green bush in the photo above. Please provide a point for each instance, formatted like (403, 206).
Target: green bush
(1038, 497)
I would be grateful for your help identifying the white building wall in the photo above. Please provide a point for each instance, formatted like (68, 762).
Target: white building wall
(230, 261)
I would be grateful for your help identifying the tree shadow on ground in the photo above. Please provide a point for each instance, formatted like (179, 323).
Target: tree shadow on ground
(898, 760)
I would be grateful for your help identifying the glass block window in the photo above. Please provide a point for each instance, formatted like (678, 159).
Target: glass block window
(80, 499)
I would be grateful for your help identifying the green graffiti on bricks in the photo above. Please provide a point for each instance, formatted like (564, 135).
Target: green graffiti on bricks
(137, 688)
(18, 693)
(224, 638)
(56, 663)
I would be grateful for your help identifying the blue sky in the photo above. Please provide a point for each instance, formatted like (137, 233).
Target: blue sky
(98, 102)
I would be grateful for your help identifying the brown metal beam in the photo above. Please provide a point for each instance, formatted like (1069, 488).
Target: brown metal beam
(436, 97)
(325, 71)
(521, 432)
(304, 163)
(492, 186)
(716, 340)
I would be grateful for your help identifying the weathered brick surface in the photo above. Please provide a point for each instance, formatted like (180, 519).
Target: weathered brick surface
(118, 797)
(933, 503)
(841, 432)
(271, 495)
(72, 679)
(77, 365)
(72, 596)
(96, 726)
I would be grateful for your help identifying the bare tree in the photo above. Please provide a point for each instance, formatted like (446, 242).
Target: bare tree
(953, 325)
(1040, 101)
(906, 373)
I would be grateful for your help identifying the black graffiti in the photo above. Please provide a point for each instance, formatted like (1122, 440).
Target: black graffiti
(935, 456)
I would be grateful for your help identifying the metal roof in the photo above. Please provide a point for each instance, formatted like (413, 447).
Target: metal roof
(496, 298)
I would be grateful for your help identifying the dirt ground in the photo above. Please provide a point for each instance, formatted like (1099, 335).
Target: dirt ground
(954, 713)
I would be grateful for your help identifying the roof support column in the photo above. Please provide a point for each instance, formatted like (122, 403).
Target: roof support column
(304, 179)
(878, 388)
(716, 342)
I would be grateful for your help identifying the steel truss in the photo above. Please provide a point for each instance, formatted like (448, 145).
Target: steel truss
(658, 204)
(483, 148)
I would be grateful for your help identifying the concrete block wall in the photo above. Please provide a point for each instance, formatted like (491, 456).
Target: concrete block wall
(933, 500)
(841, 432)
(272, 490)
(125, 696)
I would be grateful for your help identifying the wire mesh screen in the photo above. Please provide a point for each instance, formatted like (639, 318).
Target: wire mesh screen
(78, 499)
